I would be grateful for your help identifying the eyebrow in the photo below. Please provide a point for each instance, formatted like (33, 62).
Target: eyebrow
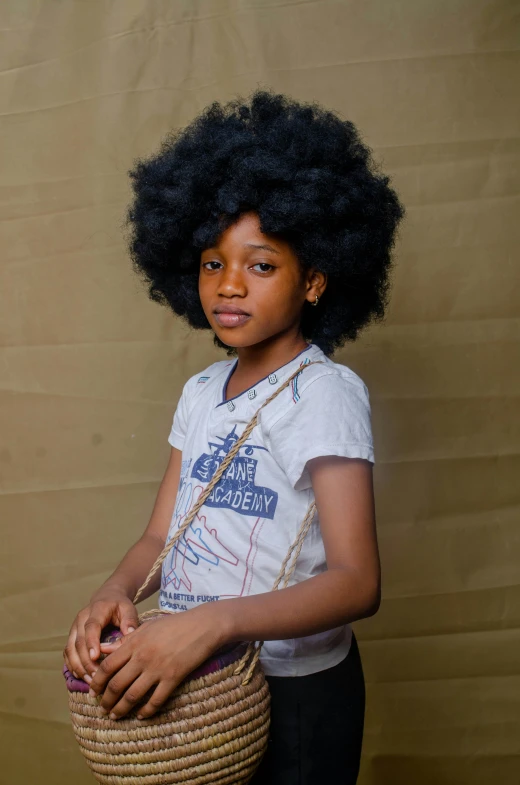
(264, 247)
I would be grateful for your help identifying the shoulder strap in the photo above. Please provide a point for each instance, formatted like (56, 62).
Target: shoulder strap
(214, 480)
(216, 477)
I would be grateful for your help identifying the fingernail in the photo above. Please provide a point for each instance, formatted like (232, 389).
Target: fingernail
(93, 673)
(87, 678)
(75, 674)
(113, 716)
(92, 654)
(102, 710)
(139, 716)
(131, 629)
(92, 693)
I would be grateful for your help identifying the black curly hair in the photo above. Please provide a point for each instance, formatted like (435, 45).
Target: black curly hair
(311, 181)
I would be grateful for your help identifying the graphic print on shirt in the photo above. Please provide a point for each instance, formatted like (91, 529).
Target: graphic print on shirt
(201, 545)
(236, 489)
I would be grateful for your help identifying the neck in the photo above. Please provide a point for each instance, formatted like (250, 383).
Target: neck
(262, 358)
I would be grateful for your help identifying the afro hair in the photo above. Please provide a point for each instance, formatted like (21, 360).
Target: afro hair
(307, 175)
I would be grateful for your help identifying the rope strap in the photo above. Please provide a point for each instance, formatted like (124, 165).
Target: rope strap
(253, 651)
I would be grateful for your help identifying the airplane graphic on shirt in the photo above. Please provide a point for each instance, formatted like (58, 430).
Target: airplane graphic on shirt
(236, 489)
(199, 543)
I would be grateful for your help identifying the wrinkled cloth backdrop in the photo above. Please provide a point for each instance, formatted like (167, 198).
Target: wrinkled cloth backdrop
(92, 371)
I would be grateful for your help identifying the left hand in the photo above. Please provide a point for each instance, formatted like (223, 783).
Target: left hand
(160, 653)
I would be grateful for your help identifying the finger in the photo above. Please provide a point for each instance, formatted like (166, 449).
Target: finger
(67, 651)
(134, 694)
(83, 665)
(108, 648)
(118, 684)
(108, 667)
(72, 661)
(87, 667)
(99, 618)
(157, 699)
(129, 619)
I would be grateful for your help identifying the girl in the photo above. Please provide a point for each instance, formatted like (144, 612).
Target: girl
(265, 221)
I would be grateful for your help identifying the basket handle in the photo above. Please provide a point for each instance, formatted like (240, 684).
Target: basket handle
(253, 650)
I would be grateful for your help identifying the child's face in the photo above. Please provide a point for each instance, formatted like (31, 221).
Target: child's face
(267, 283)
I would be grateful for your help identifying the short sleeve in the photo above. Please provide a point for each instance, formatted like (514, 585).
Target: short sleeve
(331, 417)
(180, 420)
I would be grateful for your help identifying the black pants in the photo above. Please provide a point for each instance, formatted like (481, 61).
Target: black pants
(316, 726)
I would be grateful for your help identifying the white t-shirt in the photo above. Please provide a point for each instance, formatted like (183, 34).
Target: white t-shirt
(235, 545)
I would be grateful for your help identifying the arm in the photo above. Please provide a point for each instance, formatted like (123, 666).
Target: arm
(166, 650)
(348, 590)
(113, 601)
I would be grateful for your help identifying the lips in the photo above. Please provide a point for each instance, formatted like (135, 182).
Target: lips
(228, 315)
(231, 319)
(229, 309)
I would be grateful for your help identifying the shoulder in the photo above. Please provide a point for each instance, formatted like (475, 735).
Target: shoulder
(328, 413)
(327, 387)
(214, 371)
(199, 384)
(333, 376)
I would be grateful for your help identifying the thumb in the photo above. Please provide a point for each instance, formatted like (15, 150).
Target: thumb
(129, 620)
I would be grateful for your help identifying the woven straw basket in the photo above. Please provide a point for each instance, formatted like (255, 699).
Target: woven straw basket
(214, 727)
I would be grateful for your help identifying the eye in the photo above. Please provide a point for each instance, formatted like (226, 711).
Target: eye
(264, 265)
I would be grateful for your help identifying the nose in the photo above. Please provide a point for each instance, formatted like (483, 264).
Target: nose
(231, 281)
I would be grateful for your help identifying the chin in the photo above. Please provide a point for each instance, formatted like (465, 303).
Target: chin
(232, 340)
(221, 340)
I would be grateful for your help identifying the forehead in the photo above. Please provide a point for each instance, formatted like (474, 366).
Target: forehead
(245, 233)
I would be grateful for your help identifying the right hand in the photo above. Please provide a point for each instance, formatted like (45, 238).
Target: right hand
(107, 606)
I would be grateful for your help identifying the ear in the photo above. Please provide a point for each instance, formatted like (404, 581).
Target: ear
(316, 281)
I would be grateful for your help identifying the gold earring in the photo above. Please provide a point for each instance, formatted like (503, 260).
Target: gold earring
(316, 302)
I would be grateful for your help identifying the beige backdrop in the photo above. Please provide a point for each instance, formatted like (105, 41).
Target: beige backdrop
(92, 371)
